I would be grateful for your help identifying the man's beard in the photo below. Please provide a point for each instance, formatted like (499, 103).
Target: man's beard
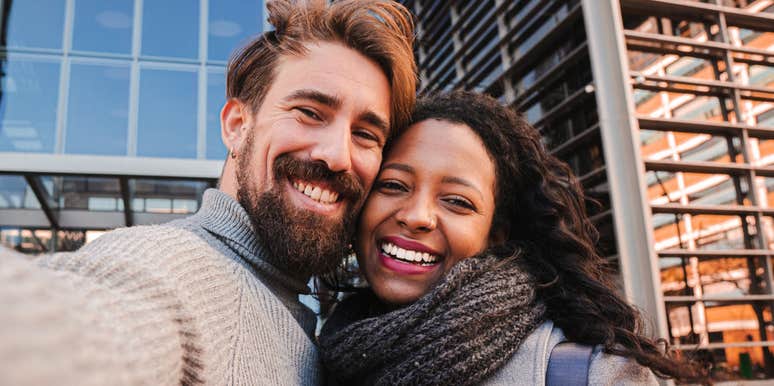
(298, 241)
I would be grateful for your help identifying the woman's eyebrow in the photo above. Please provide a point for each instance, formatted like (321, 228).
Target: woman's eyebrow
(398, 166)
(463, 182)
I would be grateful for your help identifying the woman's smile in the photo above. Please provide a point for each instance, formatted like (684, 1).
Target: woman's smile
(407, 257)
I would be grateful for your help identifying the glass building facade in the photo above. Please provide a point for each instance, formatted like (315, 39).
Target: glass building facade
(109, 111)
(681, 173)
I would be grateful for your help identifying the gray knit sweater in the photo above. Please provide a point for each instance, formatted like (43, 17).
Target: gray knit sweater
(192, 302)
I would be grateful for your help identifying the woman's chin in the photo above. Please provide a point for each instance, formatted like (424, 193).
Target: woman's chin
(399, 295)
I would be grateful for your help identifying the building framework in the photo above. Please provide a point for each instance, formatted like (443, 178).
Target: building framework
(665, 111)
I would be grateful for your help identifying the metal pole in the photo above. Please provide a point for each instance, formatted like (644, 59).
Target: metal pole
(624, 165)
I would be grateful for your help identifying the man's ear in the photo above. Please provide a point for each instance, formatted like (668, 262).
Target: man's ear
(234, 122)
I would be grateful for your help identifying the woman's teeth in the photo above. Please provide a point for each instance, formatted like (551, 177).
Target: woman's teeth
(409, 255)
(316, 193)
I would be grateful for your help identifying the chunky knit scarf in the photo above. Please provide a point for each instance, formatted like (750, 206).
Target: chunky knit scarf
(461, 332)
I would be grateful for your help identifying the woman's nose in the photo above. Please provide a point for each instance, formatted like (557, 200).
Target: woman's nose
(417, 216)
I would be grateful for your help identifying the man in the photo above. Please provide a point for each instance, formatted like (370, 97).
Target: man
(214, 298)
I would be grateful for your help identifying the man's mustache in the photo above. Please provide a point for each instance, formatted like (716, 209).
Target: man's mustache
(346, 184)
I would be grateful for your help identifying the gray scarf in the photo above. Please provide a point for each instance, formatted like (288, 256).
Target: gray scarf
(460, 333)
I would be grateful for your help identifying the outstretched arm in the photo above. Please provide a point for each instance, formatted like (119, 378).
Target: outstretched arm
(80, 326)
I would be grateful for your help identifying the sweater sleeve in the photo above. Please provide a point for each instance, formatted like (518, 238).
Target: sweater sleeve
(611, 370)
(67, 319)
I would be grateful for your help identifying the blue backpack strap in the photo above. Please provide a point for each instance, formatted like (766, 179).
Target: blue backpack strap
(569, 365)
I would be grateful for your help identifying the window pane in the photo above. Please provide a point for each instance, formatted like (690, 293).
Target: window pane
(36, 23)
(163, 196)
(14, 193)
(28, 106)
(171, 28)
(216, 90)
(231, 23)
(98, 110)
(167, 114)
(88, 193)
(103, 26)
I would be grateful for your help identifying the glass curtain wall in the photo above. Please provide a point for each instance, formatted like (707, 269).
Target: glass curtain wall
(702, 75)
(120, 78)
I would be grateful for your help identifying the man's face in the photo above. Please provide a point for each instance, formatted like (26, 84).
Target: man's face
(312, 151)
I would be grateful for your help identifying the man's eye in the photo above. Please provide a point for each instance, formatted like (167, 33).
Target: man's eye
(367, 135)
(309, 113)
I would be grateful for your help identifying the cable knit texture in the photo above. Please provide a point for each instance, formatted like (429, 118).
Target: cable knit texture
(433, 341)
(189, 302)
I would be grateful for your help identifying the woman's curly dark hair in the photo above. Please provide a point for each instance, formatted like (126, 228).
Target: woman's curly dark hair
(540, 206)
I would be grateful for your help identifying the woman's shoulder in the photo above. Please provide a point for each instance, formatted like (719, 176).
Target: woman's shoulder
(609, 369)
(529, 364)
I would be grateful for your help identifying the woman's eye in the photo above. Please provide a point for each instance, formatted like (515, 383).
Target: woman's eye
(461, 203)
(390, 186)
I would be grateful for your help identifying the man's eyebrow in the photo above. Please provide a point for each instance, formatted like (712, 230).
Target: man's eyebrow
(463, 182)
(331, 101)
(374, 119)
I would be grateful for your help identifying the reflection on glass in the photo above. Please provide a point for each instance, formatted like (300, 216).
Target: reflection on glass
(28, 106)
(88, 193)
(103, 26)
(28, 241)
(231, 23)
(766, 119)
(663, 145)
(639, 60)
(216, 97)
(713, 322)
(761, 76)
(688, 106)
(167, 114)
(98, 114)
(164, 196)
(15, 194)
(170, 28)
(70, 240)
(734, 363)
(703, 232)
(695, 188)
(36, 23)
(725, 276)
(690, 67)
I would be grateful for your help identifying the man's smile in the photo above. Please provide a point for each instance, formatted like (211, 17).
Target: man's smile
(316, 191)
(314, 197)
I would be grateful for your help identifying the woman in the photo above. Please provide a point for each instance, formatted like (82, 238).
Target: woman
(480, 259)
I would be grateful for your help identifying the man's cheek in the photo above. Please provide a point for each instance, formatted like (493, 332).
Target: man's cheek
(369, 170)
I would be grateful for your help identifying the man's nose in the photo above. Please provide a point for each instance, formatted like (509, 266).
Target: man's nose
(334, 147)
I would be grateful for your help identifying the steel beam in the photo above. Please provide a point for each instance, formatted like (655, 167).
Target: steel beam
(625, 169)
(125, 197)
(108, 166)
(47, 204)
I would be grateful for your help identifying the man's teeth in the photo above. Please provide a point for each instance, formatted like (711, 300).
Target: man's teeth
(316, 193)
(408, 255)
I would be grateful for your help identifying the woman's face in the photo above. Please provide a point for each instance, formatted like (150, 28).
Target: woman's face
(431, 206)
